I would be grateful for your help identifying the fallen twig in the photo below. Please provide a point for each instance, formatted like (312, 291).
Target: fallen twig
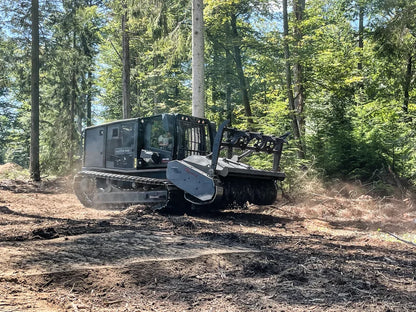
(113, 302)
(401, 239)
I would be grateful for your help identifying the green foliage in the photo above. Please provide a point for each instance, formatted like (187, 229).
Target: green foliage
(13, 135)
(160, 53)
(385, 139)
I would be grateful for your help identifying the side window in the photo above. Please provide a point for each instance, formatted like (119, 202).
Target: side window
(157, 137)
(127, 135)
(161, 138)
(114, 133)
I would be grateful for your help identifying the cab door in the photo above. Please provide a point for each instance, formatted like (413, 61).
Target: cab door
(121, 149)
(94, 147)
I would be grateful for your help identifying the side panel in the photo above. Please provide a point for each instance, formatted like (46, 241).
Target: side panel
(94, 147)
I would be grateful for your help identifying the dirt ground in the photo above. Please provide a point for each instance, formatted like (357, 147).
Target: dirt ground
(330, 253)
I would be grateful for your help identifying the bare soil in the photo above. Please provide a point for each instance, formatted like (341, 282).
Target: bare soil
(330, 253)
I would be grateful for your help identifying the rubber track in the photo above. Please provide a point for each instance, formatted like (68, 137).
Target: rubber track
(123, 178)
(126, 178)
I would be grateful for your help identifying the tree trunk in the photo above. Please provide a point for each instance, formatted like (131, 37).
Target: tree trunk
(126, 109)
(240, 71)
(72, 105)
(406, 85)
(89, 98)
(198, 103)
(228, 74)
(228, 90)
(135, 89)
(360, 85)
(292, 108)
(360, 36)
(34, 133)
(156, 85)
(299, 96)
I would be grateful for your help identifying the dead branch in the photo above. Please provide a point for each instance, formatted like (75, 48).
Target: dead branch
(401, 239)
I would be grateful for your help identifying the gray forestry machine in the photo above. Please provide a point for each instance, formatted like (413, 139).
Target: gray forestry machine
(174, 162)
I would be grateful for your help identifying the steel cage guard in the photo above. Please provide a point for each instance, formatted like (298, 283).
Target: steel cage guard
(246, 140)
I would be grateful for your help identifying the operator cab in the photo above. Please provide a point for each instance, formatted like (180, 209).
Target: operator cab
(146, 143)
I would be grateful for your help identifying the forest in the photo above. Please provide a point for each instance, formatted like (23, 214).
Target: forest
(338, 74)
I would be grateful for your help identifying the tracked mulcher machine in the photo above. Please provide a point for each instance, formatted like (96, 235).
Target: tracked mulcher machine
(174, 162)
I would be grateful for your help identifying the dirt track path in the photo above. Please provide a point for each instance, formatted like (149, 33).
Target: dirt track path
(113, 249)
(58, 256)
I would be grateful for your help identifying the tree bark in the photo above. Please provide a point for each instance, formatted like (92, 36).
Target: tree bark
(240, 71)
(360, 36)
(228, 73)
(360, 85)
(72, 106)
(292, 108)
(34, 133)
(126, 109)
(406, 85)
(299, 92)
(156, 85)
(198, 103)
(89, 98)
